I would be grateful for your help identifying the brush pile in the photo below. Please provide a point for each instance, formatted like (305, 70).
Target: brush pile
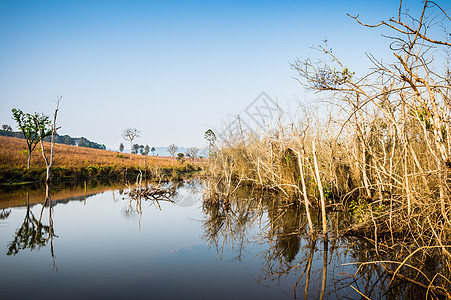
(155, 193)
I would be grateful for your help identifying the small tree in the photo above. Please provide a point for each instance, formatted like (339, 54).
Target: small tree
(153, 151)
(135, 149)
(30, 126)
(130, 134)
(146, 150)
(121, 147)
(7, 129)
(192, 153)
(181, 157)
(211, 138)
(172, 149)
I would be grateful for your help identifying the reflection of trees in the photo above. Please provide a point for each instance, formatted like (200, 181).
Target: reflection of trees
(193, 186)
(4, 214)
(416, 278)
(284, 231)
(32, 234)
(315, 267)
(150, 194)
(290, 249)
(228, 222)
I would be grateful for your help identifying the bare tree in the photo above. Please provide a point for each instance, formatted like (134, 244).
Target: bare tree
(397, 114)
(42, 133)
(172, 149)
(130, 134)
(192, 153)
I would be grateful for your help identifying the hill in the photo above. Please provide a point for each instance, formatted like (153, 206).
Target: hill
(75, 162)
(59, 139)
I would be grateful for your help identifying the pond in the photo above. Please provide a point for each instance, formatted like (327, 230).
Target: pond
(93, 241)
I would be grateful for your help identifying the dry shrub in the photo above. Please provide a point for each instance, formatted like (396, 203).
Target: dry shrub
(386, 151)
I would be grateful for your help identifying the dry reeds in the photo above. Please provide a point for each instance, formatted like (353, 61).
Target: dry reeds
(385, 152)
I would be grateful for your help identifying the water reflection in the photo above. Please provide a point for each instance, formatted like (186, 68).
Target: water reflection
(4, 214)
(33, 234)
(316, 268)
(14, 196)
(254, 229)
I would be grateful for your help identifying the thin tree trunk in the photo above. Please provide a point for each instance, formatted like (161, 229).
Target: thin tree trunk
(321, 193)
(324, 277)
(49, 162)
(309, 268)
(304, 191)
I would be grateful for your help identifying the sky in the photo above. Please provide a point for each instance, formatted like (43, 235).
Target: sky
(171, 69)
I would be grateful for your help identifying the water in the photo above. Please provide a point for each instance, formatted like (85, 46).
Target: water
(106, 245)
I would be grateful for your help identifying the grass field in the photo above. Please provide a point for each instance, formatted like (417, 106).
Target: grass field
(70, 160)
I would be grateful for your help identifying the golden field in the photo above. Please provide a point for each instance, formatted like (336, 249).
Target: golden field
(83, 163)
(13, 155)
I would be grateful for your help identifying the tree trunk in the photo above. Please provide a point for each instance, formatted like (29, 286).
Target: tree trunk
(304, 192)
(321, 192)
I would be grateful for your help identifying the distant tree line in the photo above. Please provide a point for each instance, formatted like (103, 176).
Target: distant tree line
(141, 149)
(59, 139)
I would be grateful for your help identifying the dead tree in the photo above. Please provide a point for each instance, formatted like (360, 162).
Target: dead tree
(130, 134)
(42, 134)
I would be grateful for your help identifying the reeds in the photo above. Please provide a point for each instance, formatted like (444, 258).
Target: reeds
(383, 153)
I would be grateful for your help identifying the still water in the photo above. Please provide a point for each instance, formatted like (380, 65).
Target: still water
(98, 243)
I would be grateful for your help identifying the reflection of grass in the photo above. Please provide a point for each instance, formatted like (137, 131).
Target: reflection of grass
(73, 161)
(17, 197)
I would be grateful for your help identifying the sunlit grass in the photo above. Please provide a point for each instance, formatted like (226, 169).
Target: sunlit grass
(13, 155)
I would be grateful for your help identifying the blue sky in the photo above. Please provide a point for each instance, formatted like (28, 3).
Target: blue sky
(171, 69)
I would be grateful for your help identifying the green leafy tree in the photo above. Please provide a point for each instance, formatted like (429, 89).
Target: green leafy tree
(146, 150)
(181, 157)
(135, 148)
(30, 126)
(210, 136)
(153, 151)
(121, 147)
(7, 129)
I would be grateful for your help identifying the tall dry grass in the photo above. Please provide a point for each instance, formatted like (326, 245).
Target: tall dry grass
(383, 154)
(72, 162)
(13, 154)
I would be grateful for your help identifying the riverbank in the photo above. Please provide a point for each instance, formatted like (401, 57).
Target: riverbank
(79, 163)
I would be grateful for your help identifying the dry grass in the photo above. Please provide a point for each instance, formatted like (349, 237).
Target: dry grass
(13, 155)
(383, 152)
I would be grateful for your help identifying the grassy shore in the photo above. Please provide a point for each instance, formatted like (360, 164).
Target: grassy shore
(72, 162)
